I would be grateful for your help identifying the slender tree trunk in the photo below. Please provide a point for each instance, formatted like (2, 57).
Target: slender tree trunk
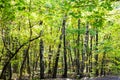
(28, 63)
(49, 56)
(41, 59)
(56, 59)
(28, 56)
(23, 63)
(58, 52)
(83, 58)
(49, 64)
(85, 49)
(78, 51)
(96, 56)
(64, 45)
(103, 65)
(90, 56)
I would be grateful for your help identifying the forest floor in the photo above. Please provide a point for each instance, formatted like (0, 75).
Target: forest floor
(108, 77)
(97, 78)
(93, 78)
(85, 78)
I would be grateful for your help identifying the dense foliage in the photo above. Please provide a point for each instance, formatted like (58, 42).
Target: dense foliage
(52, 38)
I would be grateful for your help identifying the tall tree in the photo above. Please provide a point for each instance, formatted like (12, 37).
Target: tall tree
(78, 50)
(96, 56)
(64, 44)
(41, 59)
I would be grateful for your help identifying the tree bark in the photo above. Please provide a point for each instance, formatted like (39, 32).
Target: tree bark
(90, 56)
(103, 65)
(41, 59)
(78, 51)
(57, 59)
(96, 56)
(58, 51)
(64, 45)
(85, 48)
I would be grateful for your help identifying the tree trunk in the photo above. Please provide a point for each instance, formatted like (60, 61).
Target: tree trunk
(56, 59)
(96, 56)
(58, 52)
(85, 48)
(90, 54)
(83, 58)
(49, 64)
(103, 65)
(64, 45)
(41, 59)
(23, 62)
(30, 28)
(78, 51)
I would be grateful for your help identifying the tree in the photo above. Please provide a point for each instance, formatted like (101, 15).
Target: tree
(78, 35)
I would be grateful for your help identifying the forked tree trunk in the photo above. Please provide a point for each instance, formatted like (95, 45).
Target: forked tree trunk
(56, 60)
(23, 62)
(58, 52)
